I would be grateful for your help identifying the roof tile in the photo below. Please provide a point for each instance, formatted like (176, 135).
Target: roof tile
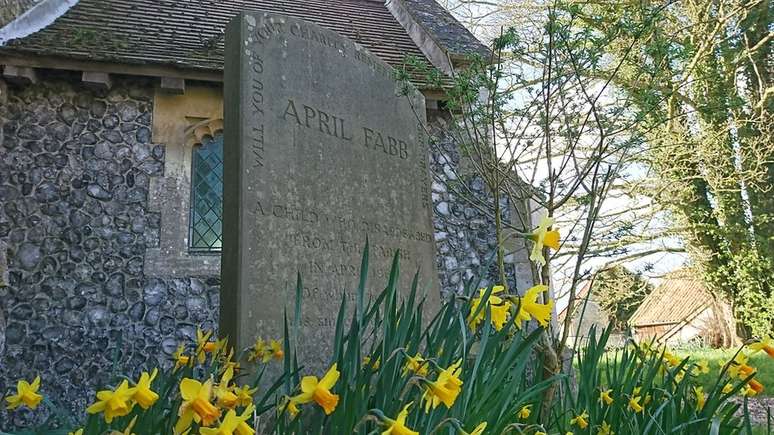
(189, 33)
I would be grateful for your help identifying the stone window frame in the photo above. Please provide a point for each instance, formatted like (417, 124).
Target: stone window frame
(181, 122)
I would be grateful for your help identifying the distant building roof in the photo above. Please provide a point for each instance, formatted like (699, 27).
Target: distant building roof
(188, 34)
(679, 298)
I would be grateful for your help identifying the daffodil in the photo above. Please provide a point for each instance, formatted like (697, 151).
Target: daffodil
(114, 403)
(524, 412)
(245, 395)
(276, 350)
(264, 351)
(671, 359)
(755, 385)
(196, 404)
(77, 432)
(290, 404)
(701, 398)
(143, 395)
(415, 364)
(225, 397)
(232, 424)
(202, 342)
(445, 388)
(727, 388)
(766, 344)
(580, 420)
(181, 359)
(320, 391)
(128, 429)
(701, 368)
(542, 236)
(605, 429)
(498, 307)
(373, 365)
(26, 394)
(748, 391)
(634, 404)
(398, 426)
(478, 430)
(530, 308)
(604, 396)
(540, 432)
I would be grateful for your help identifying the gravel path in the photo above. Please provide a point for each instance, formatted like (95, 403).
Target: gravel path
(757, 407)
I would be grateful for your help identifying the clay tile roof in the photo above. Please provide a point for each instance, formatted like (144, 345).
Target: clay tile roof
(189, 33)
(679, 297)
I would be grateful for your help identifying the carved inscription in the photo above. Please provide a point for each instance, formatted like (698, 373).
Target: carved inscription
(329, 158)
(332, 125)
(257, 106)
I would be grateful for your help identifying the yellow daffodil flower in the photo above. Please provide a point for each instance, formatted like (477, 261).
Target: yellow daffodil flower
(415, 364)
(196, 404)
(181, 359)
(276, 350)
(530, 308)
(702, 368)
(143, 395)
(372, 365)
(498, 307)
(580, 420)
(605, 429)
(755, 385)
(634, 404)
(264, 351)
(445, 389)
(114, 403)
(766, 344)
(727, 388)
(225, 397)
(398, 426)
(26, 394)
(748, 391)
(479, 430)
(319, 391)
(671, 359)
(524, 412)
(245, 395)
(202, 342)
(128, 430)
(604, 396)
(542, 236)
(701, 398)
(259, 351)
(232, 424)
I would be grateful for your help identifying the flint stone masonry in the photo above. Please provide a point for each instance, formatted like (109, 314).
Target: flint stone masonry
(321, 152)
(75, 225)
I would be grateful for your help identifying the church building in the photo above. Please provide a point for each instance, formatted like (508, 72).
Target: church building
(111, 173)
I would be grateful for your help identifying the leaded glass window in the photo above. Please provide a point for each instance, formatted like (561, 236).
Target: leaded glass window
(206, 232)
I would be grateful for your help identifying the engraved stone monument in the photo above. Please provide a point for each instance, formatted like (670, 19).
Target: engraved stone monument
(321, 151)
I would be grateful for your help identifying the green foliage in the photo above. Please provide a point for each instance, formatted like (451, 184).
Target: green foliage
(685, 72)
(669, 399)
(499, 371)
(619, 292)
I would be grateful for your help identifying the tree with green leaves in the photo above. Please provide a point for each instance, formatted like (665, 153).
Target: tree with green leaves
(696, 82)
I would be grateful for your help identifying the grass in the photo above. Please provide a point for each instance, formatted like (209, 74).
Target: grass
(718, 357)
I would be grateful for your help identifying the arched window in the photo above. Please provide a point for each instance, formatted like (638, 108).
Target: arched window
(206, 223)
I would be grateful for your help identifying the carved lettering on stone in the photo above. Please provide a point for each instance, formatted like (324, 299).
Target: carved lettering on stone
(321, 152)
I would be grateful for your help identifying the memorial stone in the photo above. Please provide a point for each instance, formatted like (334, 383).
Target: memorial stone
(321, 152)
